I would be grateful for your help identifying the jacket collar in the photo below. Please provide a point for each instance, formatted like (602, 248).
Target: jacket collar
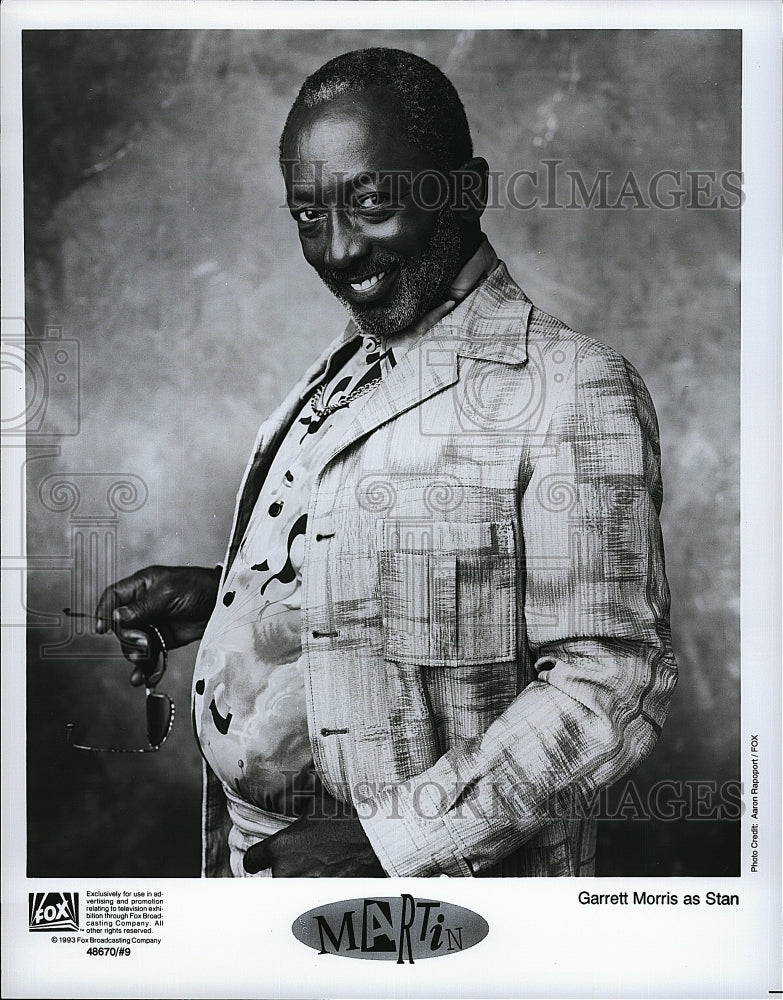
(491, 323)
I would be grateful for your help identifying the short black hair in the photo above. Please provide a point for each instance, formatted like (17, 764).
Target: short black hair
(433, 115)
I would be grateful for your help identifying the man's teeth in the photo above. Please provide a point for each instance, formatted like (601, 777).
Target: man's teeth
(362, 286)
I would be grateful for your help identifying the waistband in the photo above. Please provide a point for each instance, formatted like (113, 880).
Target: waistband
(249, 825)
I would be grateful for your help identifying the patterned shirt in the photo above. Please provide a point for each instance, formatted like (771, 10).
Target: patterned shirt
(251, 717)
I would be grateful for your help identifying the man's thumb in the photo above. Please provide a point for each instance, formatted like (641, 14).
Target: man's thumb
(258, 857)
(134, 613)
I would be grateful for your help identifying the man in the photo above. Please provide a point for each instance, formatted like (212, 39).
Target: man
(442, 622)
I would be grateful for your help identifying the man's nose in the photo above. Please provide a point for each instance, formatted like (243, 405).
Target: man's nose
(345, 243)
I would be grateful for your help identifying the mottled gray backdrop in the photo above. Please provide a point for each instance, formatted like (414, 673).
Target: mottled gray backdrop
(155, 240)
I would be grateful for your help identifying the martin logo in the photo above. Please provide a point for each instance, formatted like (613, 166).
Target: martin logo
(54, 910)
(390, 928)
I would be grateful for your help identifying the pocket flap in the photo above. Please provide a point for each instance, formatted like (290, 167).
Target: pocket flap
(452, 606)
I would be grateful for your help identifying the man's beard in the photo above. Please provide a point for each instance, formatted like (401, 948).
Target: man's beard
(421, 282)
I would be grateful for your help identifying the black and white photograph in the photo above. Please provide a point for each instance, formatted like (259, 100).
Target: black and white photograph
(377, 498)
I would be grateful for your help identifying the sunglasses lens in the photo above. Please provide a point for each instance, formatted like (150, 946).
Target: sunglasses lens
(159, 715)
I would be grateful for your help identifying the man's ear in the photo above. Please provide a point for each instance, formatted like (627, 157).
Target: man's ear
(470, 189)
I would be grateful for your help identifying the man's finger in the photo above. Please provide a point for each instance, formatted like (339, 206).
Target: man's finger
(259, 856)
(118, 594)
(142, 649)
(134, 643)
(134, 614)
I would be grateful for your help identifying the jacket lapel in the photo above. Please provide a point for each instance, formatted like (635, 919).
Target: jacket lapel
(427, 368)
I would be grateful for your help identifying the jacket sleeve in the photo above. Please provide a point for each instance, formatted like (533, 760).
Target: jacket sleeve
(597, 617)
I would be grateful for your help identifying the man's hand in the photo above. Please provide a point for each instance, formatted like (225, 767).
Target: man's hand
(177, 600)
(323, 846)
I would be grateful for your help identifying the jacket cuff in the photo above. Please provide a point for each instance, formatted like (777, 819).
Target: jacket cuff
(409, 836)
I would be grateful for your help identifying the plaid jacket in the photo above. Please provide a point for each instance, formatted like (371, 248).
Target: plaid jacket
(485, 607)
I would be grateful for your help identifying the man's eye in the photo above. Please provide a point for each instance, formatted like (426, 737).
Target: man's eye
(307, 216)
(372, 201)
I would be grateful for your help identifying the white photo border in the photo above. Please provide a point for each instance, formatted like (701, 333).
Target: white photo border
(542, 943)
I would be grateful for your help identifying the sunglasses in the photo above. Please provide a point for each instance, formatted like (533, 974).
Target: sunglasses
(159, 707)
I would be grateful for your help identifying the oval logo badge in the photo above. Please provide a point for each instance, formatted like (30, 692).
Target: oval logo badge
(390, 928)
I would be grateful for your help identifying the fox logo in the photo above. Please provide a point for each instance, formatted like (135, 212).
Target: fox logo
(58, 910)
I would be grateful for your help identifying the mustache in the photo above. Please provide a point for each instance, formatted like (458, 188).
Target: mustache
(341, 276)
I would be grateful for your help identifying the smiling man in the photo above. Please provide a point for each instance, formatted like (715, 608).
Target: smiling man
(442, 621)
(358, 195)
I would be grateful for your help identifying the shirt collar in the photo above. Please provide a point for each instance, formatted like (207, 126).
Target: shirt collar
(489, 320)
(480, 266)
(473, 272)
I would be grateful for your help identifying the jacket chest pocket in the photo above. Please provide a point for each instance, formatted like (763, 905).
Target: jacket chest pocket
(448, 593)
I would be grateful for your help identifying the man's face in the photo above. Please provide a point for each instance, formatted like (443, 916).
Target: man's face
(381, 244)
